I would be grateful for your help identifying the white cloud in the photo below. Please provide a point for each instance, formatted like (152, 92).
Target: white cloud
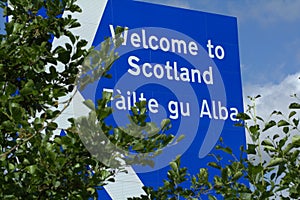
(285, 10)
(266, 12)
(274, 96)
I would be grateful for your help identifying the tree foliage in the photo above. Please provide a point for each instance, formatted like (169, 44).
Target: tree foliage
(271, 170)
(35, 163)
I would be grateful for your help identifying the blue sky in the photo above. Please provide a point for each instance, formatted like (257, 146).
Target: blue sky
(269, 34)
(269, 42)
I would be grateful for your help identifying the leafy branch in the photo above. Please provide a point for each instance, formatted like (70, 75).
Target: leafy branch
(275, 175)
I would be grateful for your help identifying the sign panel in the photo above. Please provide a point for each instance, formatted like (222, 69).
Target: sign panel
(185, 64)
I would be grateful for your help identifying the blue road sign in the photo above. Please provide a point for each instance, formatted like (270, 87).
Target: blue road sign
(185, 64)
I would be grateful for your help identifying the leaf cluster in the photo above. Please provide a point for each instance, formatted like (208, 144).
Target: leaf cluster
(34, 76)
(137, 143)
(269, 171)
(37, 83)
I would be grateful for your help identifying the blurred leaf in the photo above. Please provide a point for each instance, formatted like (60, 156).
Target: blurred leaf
(294, 106)
(237, 176)
(269, 125)
(32, 169)
(267, 143)
(214, 165)
(138, 147)
(243, 116)
(165, 123)
(275, 161)
(181, 137)
(90, 104)
(251, 148)
(292, 114)
(296, 140)
(286, 129)
(283, 123)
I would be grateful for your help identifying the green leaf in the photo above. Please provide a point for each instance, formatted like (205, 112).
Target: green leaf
(107, 96)
(31, 169)
(16, 111)
(64, 56)
(275, 136)
(11, 167)
(282, 142)
(243, 116)
(239, 124)
(267, 143)
(269, 125)
(281, 169)
(292, 114)
(165, 123)
(90, 104)
(286, 129)
(294, 106)
(296, 122)
(270, 148)
(254, 129)
(52, 126)
(227, 150)
(181, 137)
(134, 110)
(26, 161)
(214, 165)
(275, 162)
(237, 176)
(57, 140)
(57, 184)
(251, 148)
(174, 165)
(224, 174)
(276, 112)
(138, 147)
(210, 197)
(296, 140)
(26, 91)
(260, 118)
(282, 123)
(91, 190)
(288, 148)
(246, 195)
(257, 96)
